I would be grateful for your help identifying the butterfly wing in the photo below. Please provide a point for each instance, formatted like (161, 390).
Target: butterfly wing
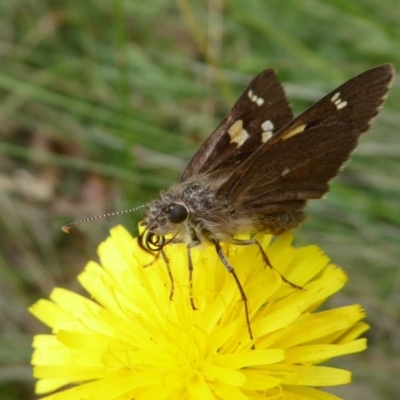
(297, 163)
(260, 111)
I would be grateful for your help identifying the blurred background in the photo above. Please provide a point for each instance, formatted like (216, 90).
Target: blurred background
(103, 103)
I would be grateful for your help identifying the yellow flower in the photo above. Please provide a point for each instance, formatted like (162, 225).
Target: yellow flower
(131, 342)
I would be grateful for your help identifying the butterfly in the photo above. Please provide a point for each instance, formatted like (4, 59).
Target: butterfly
(259, 167)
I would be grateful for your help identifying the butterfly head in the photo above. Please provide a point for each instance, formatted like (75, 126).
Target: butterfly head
(165, 220)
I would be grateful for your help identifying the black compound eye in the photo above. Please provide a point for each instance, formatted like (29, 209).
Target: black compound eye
(177, 213)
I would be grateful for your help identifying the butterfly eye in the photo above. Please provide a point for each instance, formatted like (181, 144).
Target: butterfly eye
(177, 213)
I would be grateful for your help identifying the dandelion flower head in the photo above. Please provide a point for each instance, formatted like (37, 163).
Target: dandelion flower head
(130, 341)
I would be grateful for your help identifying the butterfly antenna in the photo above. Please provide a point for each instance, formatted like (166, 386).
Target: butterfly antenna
(68, 227)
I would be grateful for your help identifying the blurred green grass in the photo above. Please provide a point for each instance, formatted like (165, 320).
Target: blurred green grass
(103, 103)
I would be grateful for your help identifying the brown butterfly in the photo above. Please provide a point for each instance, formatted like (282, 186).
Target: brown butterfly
(259, 167)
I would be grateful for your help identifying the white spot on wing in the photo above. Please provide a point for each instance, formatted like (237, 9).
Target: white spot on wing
(266, 136)
(335, 97)
(254, 98)
(260, 101)
(337, 101)
(341, 105)
(267, 128)
(237, 133)
(267, 125)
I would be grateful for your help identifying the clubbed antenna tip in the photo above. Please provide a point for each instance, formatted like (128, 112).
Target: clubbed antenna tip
(67, 227)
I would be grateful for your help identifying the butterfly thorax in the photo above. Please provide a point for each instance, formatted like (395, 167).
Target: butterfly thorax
(208, 215)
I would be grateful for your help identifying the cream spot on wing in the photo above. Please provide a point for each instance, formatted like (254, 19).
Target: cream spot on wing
(266, 136)
(235, 128)
(341, 105)
(285, 172)
(254, 98)
(237, 133)
(335, 97)
(260, 101)
(267, 128)
(267, 125)
(338, 102)
(294, 132)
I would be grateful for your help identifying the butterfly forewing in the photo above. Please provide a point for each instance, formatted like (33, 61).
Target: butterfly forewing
(297, 163)
(260, 111)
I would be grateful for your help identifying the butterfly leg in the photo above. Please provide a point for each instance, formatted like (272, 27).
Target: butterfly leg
(189, 247)
(230, 269)
(246, 242)
(166, 261)
(171, 278)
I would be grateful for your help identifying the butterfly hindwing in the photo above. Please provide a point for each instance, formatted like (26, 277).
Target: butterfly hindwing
(260, 111)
